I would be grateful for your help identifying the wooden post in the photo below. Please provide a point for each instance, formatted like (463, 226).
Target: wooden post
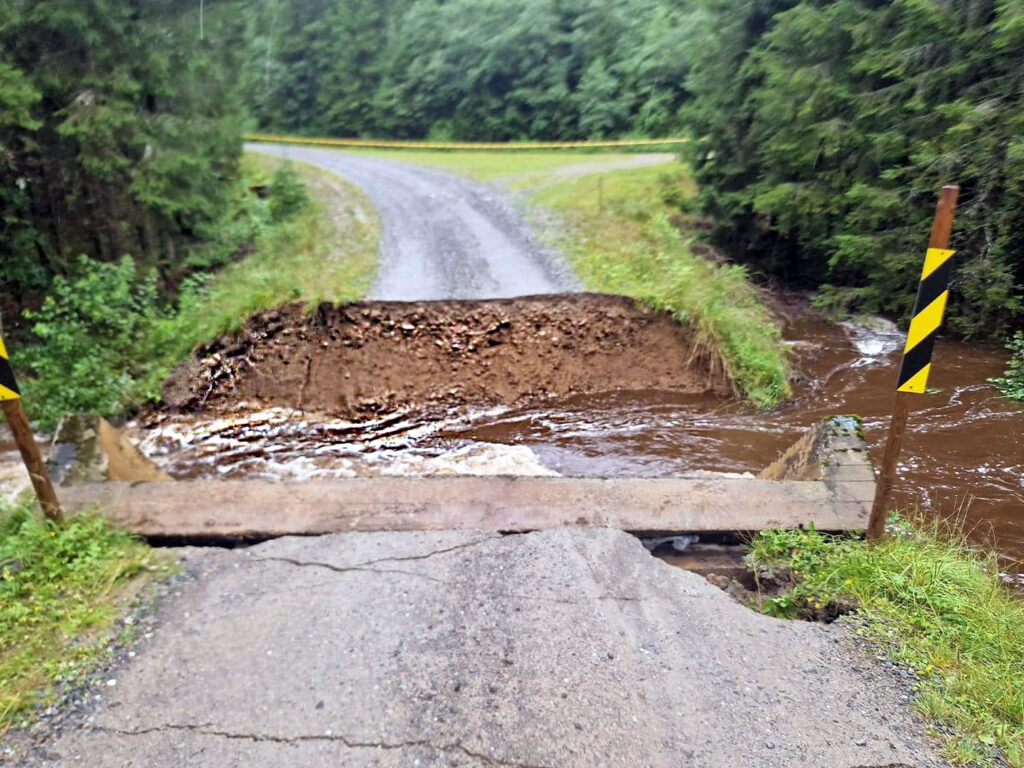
(26, 441)
(10, 403)
(920, 343)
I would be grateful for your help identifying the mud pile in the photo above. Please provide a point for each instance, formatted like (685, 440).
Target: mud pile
(366, 359)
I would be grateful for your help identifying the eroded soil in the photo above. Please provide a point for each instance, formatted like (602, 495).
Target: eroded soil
(370, 358)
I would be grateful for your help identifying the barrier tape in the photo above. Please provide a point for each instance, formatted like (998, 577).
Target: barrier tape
(373, 144)
(8, 386)
(932, 294)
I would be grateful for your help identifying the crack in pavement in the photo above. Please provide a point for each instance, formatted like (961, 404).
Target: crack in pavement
(206, 729)
(414, 574)
(464, 545)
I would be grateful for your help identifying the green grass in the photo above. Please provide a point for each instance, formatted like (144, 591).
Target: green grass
(328, 251)
(625, 233)
(61, 590)
(937, 605)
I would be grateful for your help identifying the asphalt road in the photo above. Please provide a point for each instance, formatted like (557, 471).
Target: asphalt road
(443, 236)
(559, 649)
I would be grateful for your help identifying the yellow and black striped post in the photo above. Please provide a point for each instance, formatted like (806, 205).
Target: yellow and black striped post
(932, 294)
(21, 430)
(8, 386)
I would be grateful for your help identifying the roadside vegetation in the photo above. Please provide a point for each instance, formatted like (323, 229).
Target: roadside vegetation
(1011, 383)
(106, 339)
(629, 232)
(931, 602)
(61, 591)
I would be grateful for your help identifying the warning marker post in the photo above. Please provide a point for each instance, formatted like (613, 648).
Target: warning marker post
(932, 294)
(10, 403)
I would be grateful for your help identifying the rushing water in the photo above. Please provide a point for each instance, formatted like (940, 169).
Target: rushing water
(963, 454)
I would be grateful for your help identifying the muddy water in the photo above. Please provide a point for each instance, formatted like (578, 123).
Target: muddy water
(964, 452)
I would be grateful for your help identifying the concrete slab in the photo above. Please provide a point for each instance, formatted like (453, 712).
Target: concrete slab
(554, 649)
(211, 508)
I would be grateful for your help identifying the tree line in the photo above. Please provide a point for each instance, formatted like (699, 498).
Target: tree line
(822, 128)
(826, 129)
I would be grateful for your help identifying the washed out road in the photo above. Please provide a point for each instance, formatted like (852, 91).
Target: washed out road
(555, 649)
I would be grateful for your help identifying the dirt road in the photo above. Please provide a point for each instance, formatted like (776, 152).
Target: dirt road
(443, 236)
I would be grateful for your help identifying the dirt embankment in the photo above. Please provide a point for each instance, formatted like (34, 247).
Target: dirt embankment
(365, 359)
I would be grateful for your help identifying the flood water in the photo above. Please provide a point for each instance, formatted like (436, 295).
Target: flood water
(963, 454)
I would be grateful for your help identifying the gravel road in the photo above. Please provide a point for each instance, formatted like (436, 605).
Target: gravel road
(443, 236)
(558, 649)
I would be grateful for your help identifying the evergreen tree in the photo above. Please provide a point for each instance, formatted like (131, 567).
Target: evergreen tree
(828, 127)
(120, 136)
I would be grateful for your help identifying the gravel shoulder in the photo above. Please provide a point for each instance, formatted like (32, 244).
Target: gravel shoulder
(443, 236)
(560, 648)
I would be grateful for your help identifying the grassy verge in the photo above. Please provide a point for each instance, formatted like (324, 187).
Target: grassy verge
(61, 590)
(623, 235)
(933, 603)
(326, 252)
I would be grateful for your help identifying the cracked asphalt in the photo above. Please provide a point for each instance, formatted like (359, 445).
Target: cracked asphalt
(553, 649)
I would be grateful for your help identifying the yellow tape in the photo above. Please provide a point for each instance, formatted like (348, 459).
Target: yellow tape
(373, 144)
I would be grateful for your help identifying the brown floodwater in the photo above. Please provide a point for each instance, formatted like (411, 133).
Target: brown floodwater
(963, 454)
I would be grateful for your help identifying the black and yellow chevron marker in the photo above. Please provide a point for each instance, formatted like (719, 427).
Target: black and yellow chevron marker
(932, 295)
(8, 386)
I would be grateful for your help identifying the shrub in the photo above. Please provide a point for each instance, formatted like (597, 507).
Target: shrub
(1011, 383)
(88, 330)
(288, 194)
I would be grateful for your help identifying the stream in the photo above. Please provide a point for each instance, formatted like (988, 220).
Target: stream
(963, 455)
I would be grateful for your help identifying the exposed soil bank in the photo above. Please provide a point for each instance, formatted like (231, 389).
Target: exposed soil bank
(364, 359)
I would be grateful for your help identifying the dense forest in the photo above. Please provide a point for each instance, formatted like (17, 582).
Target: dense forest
(120, 136)
(470, 69)
(821, 130)
(825, 130)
